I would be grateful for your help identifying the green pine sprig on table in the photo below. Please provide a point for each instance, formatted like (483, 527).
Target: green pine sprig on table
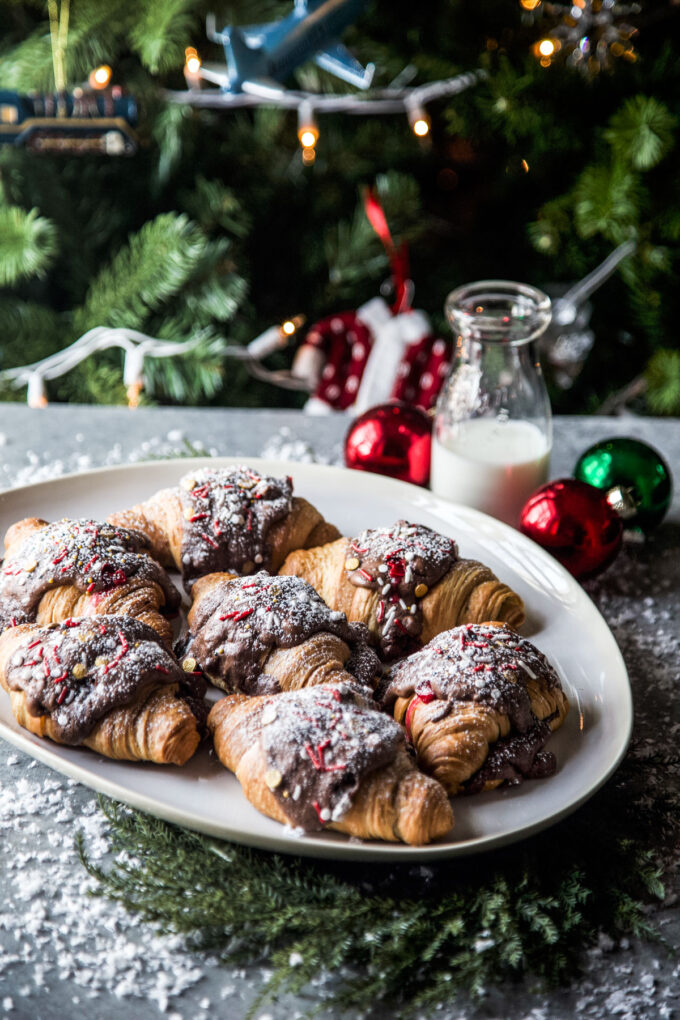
(408, 937)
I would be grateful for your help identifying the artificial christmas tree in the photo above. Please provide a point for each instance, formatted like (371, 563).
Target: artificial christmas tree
(216, 227)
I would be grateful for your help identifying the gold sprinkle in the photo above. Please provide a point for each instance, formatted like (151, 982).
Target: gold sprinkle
(188, 484)
(79, 670)
(30, 566)
(352, 563)
(101, 660)
(285, 794)
(272, 778)
(189, 665)
(421, 589)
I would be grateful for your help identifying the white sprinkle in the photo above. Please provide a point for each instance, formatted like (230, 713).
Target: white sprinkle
(385, 589)
(258, 557)
(296, 793)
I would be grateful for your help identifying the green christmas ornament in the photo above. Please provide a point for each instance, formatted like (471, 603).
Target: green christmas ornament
(636, 478)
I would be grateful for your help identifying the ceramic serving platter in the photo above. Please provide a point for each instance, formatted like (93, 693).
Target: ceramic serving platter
(561, 620)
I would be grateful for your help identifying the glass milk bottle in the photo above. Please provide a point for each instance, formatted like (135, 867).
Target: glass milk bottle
(493, 427)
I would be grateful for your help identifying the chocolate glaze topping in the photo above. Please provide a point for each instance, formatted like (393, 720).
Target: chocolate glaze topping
(402, 562)
(93, 556)
(320, 743)
(227, 516)
(489, 665)
(240, 621)
(78, 671)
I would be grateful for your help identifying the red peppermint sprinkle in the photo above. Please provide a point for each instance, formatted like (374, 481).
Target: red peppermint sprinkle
(34, 644)
(162, 669)
(400, 626)
(124, 648)
(64, 692)
(198, 517)
(365, 574)
(63, 552)
(318, 759)
(381, 611)
(317, 808)
(336, 694)
(210, 541)
(71, 622)
(93, 560)
(243, 615)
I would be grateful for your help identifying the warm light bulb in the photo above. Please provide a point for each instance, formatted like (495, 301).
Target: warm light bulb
(288, 327)
(194, 64)
(421, 127)
(417, 118)
(308, 131)
(525, 166)
(100, 77)
(546, 47)
(308, 138)
(530, 5)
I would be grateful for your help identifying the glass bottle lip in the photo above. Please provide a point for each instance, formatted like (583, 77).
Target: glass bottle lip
(498, 311)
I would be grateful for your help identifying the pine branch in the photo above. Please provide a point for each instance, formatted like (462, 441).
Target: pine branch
(152, 268)
(641, 132)
(164, 29)
(28, 245)
(532, 909)
(663, 381)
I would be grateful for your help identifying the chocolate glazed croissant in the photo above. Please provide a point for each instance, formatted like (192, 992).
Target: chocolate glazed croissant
(478, 702)
(324, 757)
(262, 634)
(108, 684)
(406, 583)
(227, 519)
(75, 568)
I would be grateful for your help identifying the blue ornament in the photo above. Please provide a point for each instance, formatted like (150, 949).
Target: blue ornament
(261, 57)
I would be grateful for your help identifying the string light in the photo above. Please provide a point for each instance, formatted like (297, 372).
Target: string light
(100, 77)
(530, 5)
(396, 98)
(192, 67)
(546, 47)
(308, 129)
(417, 117)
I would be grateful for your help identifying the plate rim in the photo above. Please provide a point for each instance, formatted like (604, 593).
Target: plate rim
(310, 845)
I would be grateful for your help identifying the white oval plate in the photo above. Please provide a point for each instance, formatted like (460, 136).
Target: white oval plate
(561, 620)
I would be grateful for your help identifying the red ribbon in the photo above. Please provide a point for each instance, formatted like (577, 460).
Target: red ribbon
(398, 257)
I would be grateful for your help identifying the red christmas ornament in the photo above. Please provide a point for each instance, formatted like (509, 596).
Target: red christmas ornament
(574, 522)
(391, 439)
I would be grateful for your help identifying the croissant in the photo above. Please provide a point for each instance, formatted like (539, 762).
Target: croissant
(75, 568)
(106, 683)
(406, 583)
(263, 634)
(226, 519)
(478, 703)
(325, 757)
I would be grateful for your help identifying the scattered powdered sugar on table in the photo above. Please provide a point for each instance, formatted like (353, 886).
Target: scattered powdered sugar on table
(37, 466)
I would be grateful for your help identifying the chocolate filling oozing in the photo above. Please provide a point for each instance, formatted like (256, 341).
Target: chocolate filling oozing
(402, 562)
(80, 670)
(240, 621)
(227, 517)
(319, 744)
(93, 556)
(489, 665)
(516, 758)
